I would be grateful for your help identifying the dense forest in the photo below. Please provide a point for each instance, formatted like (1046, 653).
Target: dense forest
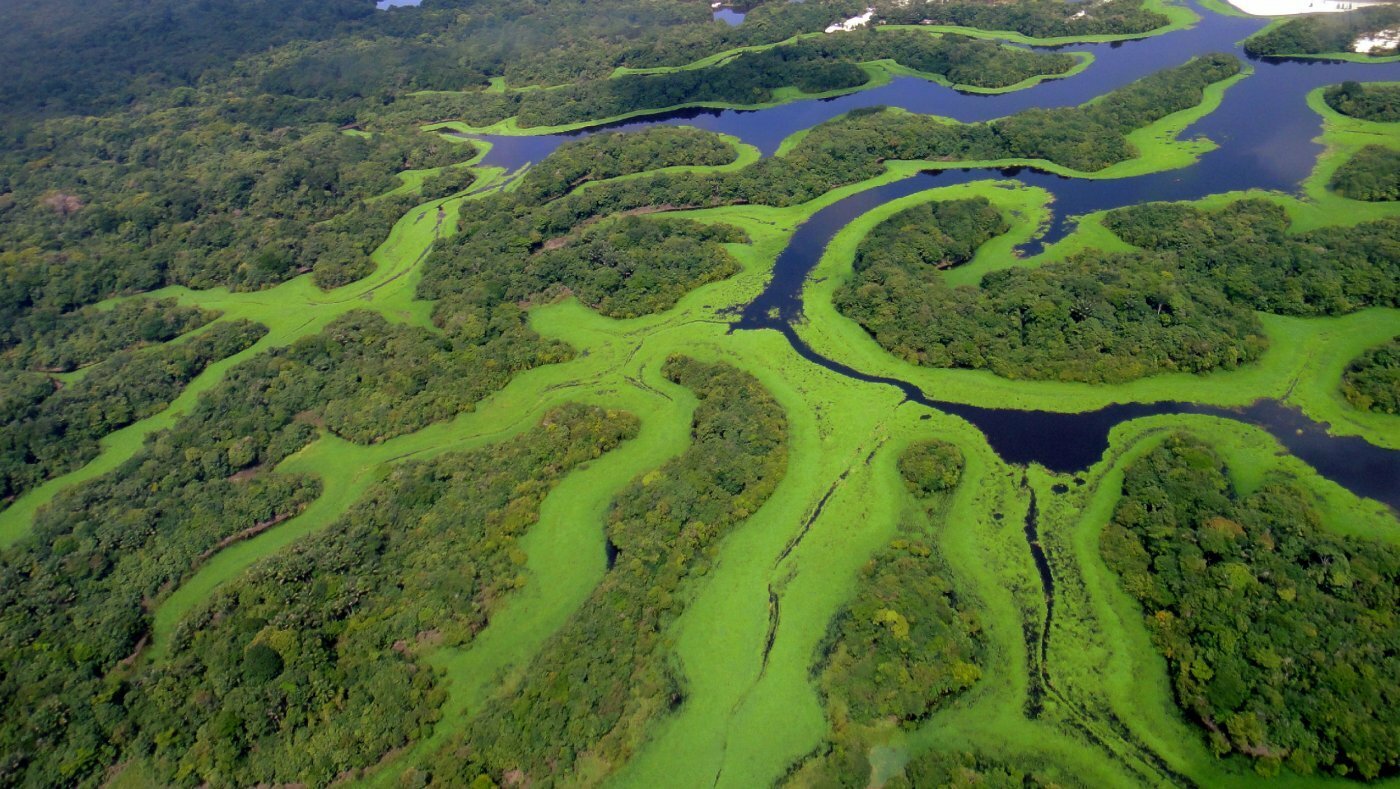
(1096, 317)
(614, 154)
(344, 621)
(1258, 608)
(223, 203)
(1040, 18)
(103, 551)
(345, 51)
(52, 428)
(601, 678)
(1320, 34)
(53, 342)
(179, 43)
(1372, 173)
(776, 21)
(1369, 101)
(1372, 381)
(1246, 251)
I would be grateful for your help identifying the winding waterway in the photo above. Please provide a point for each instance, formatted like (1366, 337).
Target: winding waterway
(1264, 130)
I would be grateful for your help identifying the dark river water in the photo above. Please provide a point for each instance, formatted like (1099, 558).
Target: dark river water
(1264, 129)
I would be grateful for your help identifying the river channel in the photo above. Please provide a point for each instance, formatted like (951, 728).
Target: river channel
(1264, 130)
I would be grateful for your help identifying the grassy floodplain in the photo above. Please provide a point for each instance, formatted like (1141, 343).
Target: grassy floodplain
(1307, 355)
(746, 643)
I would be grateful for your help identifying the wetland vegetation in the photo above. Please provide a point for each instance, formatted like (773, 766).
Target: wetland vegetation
(359, 431)
(1329, 35)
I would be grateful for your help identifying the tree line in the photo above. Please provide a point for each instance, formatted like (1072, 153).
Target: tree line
(1368, 101)
(1372, 174)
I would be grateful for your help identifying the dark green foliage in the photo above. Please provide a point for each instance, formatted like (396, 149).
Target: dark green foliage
(187, 196)
(636, 266)
(776, 21)
(452, 46)
(1245, 250)
(969, 771)
(605, 675)
(1372, 173)
(1320, 34)
(813, 65)
(903, 646)
(48, 342)
(448, 182)
(1367, 101)
(1039, 18)
(344, 621)
(103, 551)
(934, 235)
(460, 45)
(1372, 382)
(1283, 639)
(115, 52)
(612, 154)
(1096, 317)
(1089, 137)
(367, 380)
(623, 268)
(76, 601)
(49, 428)
(261, 663)
(931, 467)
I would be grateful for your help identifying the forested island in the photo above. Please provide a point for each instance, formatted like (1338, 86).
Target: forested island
(493, 394)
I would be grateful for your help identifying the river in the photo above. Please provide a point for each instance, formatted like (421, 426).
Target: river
(1264, 130)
